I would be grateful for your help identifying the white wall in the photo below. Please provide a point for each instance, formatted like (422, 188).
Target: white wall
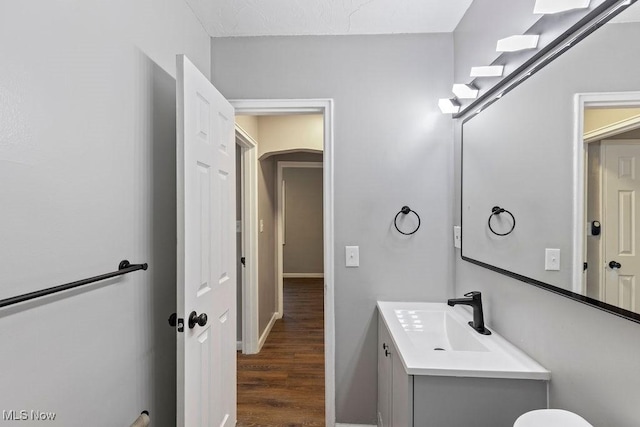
(597, 118)
(392, 147)
(250, 125)
(87, 166)
(282, 134)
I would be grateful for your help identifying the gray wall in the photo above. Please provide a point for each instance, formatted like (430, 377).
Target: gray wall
(386, 123)
(303, 249)
(266, 242)
(87, 166)
(517, 154)
(592, 355)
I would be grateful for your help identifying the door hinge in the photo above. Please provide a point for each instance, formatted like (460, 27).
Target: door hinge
(584, 266)
(173, 321)
(242, 261)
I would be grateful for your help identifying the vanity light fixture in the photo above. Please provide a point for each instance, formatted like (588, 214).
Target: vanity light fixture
(516, 43)
(465, 91)
(449, 105)
(487, 71)
(557, 6)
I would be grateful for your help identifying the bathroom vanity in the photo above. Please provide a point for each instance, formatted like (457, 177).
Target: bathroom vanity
(434, 370)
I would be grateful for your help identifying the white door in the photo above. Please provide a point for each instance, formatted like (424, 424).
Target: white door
(621, 184)
(206, 282)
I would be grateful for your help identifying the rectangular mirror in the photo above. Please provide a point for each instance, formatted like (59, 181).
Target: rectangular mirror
(538, 172)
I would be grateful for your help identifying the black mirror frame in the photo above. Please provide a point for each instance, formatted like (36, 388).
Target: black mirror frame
(583, 28)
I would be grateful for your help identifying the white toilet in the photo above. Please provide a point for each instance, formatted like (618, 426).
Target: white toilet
(551, 418)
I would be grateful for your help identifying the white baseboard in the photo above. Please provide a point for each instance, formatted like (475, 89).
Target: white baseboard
(265, 334)
(355, 425)
(303, 275)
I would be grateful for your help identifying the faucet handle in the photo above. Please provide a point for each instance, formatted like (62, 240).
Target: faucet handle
(473, 294)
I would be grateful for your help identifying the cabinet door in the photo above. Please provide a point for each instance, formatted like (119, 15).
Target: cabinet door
(401, 393)
(385, 375)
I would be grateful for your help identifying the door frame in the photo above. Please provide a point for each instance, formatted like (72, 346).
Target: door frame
(580, 102)
(325, 107)
(280, 218)
(249, 194)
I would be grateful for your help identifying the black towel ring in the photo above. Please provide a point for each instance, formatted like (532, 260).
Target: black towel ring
(495, 211)
(406, 210)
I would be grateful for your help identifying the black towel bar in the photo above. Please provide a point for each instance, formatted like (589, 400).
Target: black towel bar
(123, 268)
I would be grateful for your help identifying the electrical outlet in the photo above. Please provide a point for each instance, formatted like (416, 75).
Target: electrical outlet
(457, 236)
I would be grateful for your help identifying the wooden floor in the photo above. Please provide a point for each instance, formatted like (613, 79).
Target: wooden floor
(283, 385)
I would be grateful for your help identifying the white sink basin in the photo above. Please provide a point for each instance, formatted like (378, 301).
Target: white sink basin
(437, 330)
(435, 339)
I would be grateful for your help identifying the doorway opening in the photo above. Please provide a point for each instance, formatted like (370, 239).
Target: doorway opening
(607, 205)
(294, 286)
(299, 217)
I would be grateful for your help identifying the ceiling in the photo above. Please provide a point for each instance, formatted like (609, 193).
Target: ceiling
(233, 18)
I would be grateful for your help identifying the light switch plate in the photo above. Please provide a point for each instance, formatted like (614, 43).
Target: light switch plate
(552, 259)
(352, 254)
(457, 236)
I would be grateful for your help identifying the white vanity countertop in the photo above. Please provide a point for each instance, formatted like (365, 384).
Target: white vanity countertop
(418, 328)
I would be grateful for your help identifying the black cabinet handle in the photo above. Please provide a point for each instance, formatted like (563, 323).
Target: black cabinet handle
(614, 264)
(386, 353)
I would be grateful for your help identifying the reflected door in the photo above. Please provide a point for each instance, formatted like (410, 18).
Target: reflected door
(621, 185)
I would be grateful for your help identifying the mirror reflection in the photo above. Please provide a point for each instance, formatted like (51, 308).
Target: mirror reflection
(571, 194)
(612, 138)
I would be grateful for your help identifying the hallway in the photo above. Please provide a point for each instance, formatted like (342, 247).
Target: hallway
(283, 385)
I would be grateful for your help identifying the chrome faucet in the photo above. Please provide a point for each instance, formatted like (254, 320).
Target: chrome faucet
(474, 299)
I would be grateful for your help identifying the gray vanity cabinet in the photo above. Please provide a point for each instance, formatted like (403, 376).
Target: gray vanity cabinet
(447, 401)
(395, 387)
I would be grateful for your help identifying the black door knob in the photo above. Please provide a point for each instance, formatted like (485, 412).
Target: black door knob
(614, 264)
(195, 319)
